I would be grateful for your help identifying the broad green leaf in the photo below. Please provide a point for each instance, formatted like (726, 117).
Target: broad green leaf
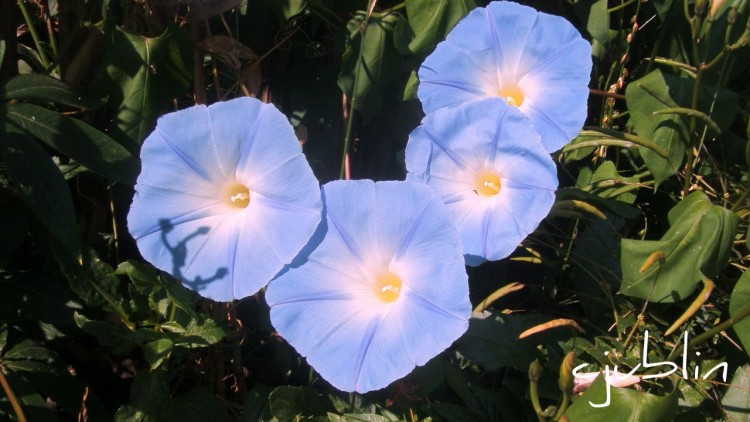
(256, 404)
(431, 20)
(117, 338)
(594, 14)
(43, 369)
(697, 245)
(150, 391)
(157, 351)
(144, 277)
(197, 405)
(360, 417)
(736, 401)
(287, 403)
(35, 406)
(41, 186)
(669, 131)
(286, 9)
(33, 297)
(606, 182)
(200, 333)
(365, 80)
(77, 140)
(141, 76)
(94, 281)
(492, 341)
(447, 412)
(39, 88)
(739, 300)
(626, 404)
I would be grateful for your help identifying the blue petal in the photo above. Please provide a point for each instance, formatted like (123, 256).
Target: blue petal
(184, 225)
(510, 44)
(501, 140)
(327, 307)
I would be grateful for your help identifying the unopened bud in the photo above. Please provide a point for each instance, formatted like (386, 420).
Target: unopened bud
(700, 7)
(567, 380)
(732, 15)
(535, 371)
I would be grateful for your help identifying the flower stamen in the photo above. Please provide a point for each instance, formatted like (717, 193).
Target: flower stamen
(512, 95)
(487, 184)
(238, 195)
(388, 287)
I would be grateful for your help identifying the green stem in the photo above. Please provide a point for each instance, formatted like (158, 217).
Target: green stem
(691, 153)
(353, 99)
(34, 34)
(621, 6)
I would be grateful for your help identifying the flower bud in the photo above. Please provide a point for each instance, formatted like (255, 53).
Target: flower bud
(535, 371)
(700, 7)
(566, 379)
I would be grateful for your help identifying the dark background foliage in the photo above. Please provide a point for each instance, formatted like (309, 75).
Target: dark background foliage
(648, 234)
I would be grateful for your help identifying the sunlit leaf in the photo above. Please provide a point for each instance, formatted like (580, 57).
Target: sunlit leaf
(696, 246)
(141, 76)
(364, 80)
(740, 300)
(736, 401)
(626, 404)
(431, 20)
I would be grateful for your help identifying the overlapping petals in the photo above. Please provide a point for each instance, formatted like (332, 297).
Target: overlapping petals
(535, 61)
(384, 290)
(485, 161)
(225, 197)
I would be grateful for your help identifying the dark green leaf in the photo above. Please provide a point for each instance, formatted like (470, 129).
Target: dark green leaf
(36, 298)
(141, 76)
(157, 351)
(740, 300)
(289, 402)
(150, 391)
(117, 338)
(697, 245)
(41, 88)
(41, 186)
(200, 333)
(35, 406)
(198, 405)
(594, 14)
(736, 401)
(256, 404)
(492, 341)
(626, 404)
(77, 140)
(94, 282)
(364, 80)
(431, 20)
(647, 95)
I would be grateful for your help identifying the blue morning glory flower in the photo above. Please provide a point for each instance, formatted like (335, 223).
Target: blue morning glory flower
(225, 197)
(534, 61)
(486, 161)
(384, 290)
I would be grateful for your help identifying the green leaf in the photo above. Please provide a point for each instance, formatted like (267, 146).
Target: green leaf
(35, 406)
(157, 351)
(431, 20)
(647, 95)
(150, 391)
(286, 9)
(197, 405)
(201, 333)
(287, 403)
(94, 282)
(594, 14)
(739, 300)
(39, 88)
(626, 404)
(117, 338)
(736, 401)
(360, 417)
(492, 341)
(77, 140)
(36, 298)
(365, 80)
(697, 245)
(141, 76)
(41, 186)
(144, 276)
(256, 404)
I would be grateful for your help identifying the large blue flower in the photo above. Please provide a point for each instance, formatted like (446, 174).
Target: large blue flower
(535, 61)
(486, 162)
(385, 289)
(225, 197)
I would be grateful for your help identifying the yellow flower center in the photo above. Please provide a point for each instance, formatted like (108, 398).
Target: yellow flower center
(488, 183)
(237, 195)
(388, 287)
(512, 95)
